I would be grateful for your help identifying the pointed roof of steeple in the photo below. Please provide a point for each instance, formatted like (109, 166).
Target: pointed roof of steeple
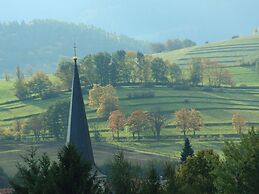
(78, 130)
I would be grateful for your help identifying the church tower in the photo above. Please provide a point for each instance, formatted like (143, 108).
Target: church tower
(78, 130)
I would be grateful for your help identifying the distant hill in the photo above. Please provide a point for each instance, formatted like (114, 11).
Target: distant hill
(41, 43)
(229, 52)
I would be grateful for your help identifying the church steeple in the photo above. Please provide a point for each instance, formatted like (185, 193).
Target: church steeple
(78, 130)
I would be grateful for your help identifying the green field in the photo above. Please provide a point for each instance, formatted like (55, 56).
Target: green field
(216, 107)
(229, 53)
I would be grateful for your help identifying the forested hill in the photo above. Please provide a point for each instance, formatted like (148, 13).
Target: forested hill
(41, 43)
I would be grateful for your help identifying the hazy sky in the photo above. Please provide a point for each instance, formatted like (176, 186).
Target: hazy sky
(153, 20)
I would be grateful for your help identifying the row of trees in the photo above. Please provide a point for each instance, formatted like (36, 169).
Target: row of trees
(128, 67)
(201, 173)
(170, 45)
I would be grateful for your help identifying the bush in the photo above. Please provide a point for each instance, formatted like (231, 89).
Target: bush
(207, 89)
(136, 95)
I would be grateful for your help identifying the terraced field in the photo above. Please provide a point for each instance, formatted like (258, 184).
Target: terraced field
(228, 53)
(216, 108)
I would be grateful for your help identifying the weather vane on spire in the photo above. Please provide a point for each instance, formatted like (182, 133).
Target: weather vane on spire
(75, 57)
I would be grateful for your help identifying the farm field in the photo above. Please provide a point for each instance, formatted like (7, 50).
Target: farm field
(11, 151)
(216, 108)
(228, 52)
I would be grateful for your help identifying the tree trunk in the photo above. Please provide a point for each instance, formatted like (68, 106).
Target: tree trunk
(118, 134)
(158, 135)
(138, 136)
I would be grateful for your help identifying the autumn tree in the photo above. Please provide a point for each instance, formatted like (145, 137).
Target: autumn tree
(238, 122)
(35, 124)
(97, 91)
(21, 90)
(104, 98)
(108, 103)
(196, 121)
(157, 121)
(138, 121)
(182, 120)
(117, 122)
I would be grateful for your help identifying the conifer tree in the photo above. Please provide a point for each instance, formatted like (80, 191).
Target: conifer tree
(187, 150)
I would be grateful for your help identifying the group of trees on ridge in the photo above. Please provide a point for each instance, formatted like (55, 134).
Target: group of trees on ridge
(40, 42)
(197, 173)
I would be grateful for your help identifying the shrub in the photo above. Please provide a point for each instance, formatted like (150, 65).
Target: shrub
(145, 94)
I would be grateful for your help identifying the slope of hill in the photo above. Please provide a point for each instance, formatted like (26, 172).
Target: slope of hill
(42, 42)
(229, 52)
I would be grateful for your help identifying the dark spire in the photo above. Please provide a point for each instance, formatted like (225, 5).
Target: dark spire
(78, 130)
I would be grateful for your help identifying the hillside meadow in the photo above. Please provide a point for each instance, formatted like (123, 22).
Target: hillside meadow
(216, 107)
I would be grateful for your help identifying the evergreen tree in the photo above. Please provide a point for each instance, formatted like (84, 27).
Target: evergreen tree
(187, 150)
(152, 182)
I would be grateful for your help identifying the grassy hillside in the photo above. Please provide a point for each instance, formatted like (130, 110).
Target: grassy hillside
(229, 53)
(216, 107)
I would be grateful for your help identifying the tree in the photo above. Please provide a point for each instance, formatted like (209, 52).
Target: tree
(64, 73)
(36, 125)
(18, 129)
(104, 98)
(169, 172)
(33, 174)
(159, 70)
(175, 73)
(108, 103)
(88, 74)
(56, 119)
(96, 93)
(117, 122)
(40, 85)
(151, 181)
(102, 61)
(21, 90)
(122, 175)
(196, 71)
(187, 150)
(19, 73)
(196, 121)
(138, 121)
(70, 174)
(182, 120)
(195, 175)
(158, 122)
(3, 179)
(238, 122)
(238, 171)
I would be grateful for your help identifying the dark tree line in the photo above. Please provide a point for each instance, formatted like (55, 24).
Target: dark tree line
(171, 45)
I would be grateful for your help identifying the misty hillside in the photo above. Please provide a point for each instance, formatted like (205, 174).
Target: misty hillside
(41, 43)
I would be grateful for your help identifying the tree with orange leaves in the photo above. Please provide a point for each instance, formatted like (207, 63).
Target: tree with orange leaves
(117, 122)
(138, 121)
